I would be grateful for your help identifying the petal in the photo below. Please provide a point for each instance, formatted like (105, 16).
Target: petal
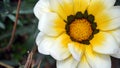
(41, 7)
(67, 63)
(95, 60)
(51, 24)
(80, 5)
(76, 50)
(97, 6)
(67, 6)
(60, 50)
(83, 63)
(44, 43)
(117, 54)
(104, 42)
(109, 19)
(116, 35)
(57, 8)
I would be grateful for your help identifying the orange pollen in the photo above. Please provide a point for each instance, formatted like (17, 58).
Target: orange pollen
(80, 30)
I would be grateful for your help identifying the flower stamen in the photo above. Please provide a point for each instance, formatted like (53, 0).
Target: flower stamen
(81, 27)
(80, 30)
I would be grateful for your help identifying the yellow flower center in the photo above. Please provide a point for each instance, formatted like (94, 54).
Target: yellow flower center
(81, 27)
(80, 30)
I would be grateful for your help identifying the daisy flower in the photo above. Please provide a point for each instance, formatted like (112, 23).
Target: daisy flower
(79, 33)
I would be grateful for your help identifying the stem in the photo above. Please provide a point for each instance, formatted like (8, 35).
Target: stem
(14, 29)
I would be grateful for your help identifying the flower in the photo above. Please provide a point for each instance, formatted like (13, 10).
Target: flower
(79, 33)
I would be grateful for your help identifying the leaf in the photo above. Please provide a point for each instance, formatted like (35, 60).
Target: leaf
(6, 4)
(2, 25)
(22, 30)
(27, 7)
(6, 1)
(12, 17)
(10, 62)
(29, 11)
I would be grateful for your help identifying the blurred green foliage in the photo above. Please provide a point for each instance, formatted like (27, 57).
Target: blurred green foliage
(25, 35)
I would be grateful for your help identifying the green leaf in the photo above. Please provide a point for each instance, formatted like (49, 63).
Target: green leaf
(6, 4)
(6, 1)
(20, 31)
(27, 7)
(2, 25)
(29, 11)
(10, 62)
(12, 17)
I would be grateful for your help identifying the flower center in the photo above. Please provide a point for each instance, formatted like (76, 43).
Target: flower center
(80, 30)
(81, 27)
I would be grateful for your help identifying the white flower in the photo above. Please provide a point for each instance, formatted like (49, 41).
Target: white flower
(79, 33)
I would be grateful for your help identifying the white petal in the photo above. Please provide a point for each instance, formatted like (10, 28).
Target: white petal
(80, 5)
(67, 63)
(51, 24)
(41, 7)
(109, 19)
(76, 50)
(44, 43)
(57, 8)
(104, 42)
(83, 63)
(109, 3)
(102, 4)
(67, 6)
(97, 60)
(60, 50)
(117, 54)
(116, 35)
